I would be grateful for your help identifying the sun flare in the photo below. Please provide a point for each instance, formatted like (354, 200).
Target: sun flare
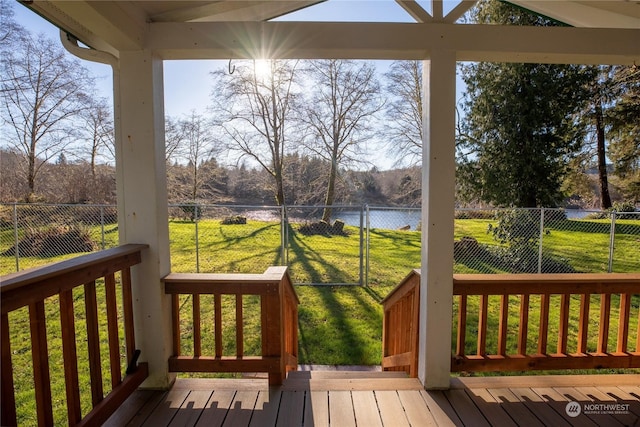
(262, 68)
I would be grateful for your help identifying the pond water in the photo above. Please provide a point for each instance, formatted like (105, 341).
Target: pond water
(392, 219)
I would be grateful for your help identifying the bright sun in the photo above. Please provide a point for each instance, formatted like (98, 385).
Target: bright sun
(262, 68)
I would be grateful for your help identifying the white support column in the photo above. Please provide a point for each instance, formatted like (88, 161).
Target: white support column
(142, 202)
(438, 185)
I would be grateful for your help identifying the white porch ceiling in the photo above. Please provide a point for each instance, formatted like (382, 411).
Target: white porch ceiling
(242, 28)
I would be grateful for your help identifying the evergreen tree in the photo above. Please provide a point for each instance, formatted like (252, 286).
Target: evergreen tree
(519, 132)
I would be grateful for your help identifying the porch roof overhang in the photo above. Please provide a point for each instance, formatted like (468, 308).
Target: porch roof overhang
(609, 31)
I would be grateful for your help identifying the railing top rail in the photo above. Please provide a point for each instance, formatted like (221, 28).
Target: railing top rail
(24, 287)
(222, 278)
(399, 287)
(37, 274)
(249, 283)
(536, 284)
(547, 278)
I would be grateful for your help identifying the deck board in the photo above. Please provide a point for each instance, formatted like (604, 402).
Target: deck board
(327, 400)
(217, 407)
(490, 408)
(291, 409)
(266, 410)
(316, 409)
(366, 408)
(341, 409)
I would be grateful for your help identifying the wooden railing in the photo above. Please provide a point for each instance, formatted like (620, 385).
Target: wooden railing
(544, 294)
(278, 306)
(33, 289)
(544, 320)
(400, 327)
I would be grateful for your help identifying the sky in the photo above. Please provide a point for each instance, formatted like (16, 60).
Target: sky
(187, 83)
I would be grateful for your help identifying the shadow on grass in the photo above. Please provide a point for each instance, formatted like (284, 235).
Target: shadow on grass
(339, 326)
(305, 255)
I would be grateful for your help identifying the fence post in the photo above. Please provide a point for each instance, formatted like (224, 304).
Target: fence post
(15, 235)
(195, 218)
(102, 225)
(284, 236)
(612, 238)
(361, 274)
(368, 244)
(540, 239)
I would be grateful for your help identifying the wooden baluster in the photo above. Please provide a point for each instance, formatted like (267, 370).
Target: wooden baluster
(638, 335)
(93, 343)
(605, 312)
(240, 327)
(8, 400)
(623, 325)
(70, 357)
(462, 326)
(127, 304)
(482, 326)
(217, 334)
(272, 335)
(503, 325)
(524, 325)
(543, 330)
(415, 331)
(563, 327)
(175, 323)
(112, 328)
(583, 325)
(197, 333)
(42, 382)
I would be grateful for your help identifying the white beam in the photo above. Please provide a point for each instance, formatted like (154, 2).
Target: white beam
(233, 11)
(416, 11)
(602, 14)
(142, 202)
(105, 26)
(438, 189)
(359, 40)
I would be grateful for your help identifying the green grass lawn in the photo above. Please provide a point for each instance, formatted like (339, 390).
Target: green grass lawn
(337, 324)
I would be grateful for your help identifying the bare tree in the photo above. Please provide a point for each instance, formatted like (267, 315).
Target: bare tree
(98, 131)
(42, 91)
(255, 107)
(198, 147)
(173, 139)
(403, 129)
(345, 97)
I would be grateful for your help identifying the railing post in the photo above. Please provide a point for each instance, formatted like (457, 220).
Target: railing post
(612, 239)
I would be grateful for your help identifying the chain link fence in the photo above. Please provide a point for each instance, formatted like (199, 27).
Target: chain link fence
(359, 245)
(35, 234)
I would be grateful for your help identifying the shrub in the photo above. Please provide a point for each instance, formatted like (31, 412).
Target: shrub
(53, 241)
(234, 220)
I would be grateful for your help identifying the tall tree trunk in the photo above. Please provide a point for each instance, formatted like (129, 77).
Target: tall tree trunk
(331, 190)
(605, 201)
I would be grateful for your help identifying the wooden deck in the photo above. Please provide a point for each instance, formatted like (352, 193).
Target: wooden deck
(321, 398)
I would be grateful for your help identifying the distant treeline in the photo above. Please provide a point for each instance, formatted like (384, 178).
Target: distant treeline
(65, 181)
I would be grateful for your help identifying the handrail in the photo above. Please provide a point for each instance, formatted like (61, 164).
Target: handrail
(30, 288)
(278, 322)
(400, 326)
(550, 294)
(535, 292)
